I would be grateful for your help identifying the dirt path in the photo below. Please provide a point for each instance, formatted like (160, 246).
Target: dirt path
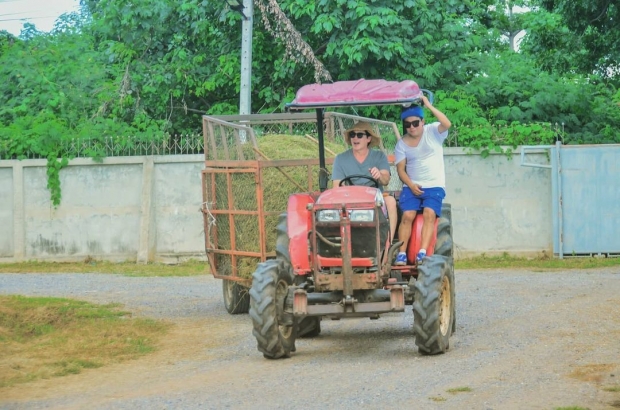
(525, 340)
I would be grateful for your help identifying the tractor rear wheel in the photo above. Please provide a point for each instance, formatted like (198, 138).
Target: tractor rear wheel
(433, 305)
(274, 333)
(236, 297)
(445, 245)
(446, 211)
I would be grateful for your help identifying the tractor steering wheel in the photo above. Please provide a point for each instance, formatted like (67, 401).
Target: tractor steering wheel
(349, 181)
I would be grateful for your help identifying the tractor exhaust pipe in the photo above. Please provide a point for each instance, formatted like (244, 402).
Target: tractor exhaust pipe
(392, 251)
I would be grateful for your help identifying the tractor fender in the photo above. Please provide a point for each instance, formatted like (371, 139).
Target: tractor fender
(299, 224)
(415, 240)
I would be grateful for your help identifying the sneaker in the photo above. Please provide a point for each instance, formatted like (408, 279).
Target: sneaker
(401, 259)
(420, 256)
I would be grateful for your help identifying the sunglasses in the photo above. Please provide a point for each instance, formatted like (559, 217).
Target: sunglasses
(412, 123)
(354, 134)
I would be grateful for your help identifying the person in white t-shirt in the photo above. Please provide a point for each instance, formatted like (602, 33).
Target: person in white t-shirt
(419, 163)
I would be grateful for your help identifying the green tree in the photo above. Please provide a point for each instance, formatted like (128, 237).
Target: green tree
(578, 36)
(146, 68)
(57, 88)
(514, 90)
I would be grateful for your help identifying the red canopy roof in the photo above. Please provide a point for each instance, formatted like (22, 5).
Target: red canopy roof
(360, 92)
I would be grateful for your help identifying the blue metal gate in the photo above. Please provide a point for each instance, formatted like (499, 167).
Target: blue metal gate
(585, 198)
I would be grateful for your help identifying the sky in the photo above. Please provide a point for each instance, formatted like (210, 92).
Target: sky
(41, 13)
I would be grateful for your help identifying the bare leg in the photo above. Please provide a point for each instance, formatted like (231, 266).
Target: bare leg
(390, 204)
(428, 227)
(404, 232)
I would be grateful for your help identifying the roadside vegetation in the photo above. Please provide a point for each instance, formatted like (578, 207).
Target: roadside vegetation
(542, 263)
(42, 337)
(196, 267)
(117, 77)
(189, 268)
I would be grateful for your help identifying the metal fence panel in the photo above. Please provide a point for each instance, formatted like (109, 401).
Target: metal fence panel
(586, 199)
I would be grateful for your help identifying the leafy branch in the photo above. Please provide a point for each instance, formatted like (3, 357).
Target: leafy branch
(296, 48)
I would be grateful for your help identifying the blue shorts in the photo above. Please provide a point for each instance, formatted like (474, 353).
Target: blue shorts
(431, 198)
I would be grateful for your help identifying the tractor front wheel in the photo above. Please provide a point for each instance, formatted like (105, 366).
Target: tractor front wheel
(433, 306)
(308, 326)
(275, 331)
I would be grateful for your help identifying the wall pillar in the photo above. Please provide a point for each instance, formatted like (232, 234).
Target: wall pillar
(19, 228)
(146, 248)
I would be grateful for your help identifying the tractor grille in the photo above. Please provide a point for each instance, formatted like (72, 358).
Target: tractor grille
(363, 241)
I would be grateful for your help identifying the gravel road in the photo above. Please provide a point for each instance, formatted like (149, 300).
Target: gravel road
(524, 340)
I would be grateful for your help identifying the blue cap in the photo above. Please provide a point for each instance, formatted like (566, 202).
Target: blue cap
(415, 111)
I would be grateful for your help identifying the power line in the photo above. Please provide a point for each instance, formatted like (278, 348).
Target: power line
(21, 12)
(15, 13)
(29, 18)
(11, 14)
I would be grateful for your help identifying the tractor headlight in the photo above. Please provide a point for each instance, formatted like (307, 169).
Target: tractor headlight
(362, 215)
(333, 215)
(328, 215)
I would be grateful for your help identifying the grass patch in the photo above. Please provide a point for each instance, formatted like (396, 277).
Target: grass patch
(572, 408)
(437, 398)
(190, 268)
(541, 263)
(459, 390)
(613, 389)
(591, 372)
(46, 337)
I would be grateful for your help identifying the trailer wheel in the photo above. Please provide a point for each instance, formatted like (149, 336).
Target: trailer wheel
(309, 327)
(236, 297)
(274, 330)
(433, 305)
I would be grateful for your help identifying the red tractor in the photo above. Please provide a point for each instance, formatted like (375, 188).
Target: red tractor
(334, 258)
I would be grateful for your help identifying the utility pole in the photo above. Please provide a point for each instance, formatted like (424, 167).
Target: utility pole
(245, 97)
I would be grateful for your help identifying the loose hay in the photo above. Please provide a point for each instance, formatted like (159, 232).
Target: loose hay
(276, 186)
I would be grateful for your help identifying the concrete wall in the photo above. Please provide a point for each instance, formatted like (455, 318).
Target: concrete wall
(498, 205)
(148, 208)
